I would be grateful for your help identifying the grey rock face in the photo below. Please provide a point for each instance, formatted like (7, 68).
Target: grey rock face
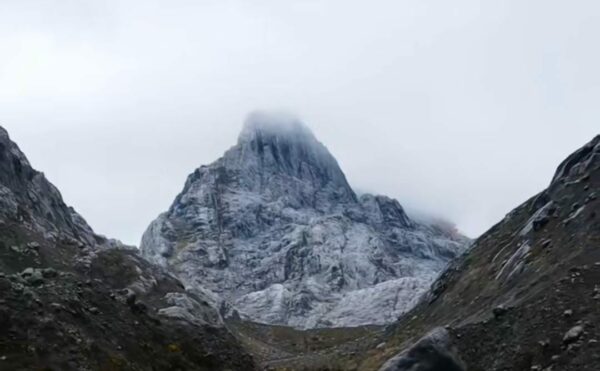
(27, 197)
(274, 228)
(578, 163)
(29, 200)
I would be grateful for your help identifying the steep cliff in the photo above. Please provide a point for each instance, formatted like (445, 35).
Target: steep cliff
(274, 229)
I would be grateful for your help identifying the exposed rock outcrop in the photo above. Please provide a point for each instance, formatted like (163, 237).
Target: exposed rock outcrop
(274, 228)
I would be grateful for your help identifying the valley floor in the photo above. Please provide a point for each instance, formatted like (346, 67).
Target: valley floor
(528, 336)
(285, 348)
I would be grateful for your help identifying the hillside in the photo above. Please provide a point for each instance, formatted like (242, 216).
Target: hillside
(73, 300)
(525, 296)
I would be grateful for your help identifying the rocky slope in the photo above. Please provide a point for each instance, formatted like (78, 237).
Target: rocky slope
(28, 198)
(74, 300)
(274, 228)
(525, 296)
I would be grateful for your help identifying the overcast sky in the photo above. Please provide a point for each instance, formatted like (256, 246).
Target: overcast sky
(460, 108)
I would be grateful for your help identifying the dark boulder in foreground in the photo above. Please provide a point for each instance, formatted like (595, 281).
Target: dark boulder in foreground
(432, 353)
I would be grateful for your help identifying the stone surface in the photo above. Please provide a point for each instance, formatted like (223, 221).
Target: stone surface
(434, 352)
(274, 229)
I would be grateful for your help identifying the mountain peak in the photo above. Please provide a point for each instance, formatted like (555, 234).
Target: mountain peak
(274, 124)
(276, 145)
(274, 227)
(11, 150)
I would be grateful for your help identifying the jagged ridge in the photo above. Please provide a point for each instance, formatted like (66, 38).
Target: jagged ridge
(274, 228)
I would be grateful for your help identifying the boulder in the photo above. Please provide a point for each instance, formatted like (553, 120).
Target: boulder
(573, 334)
(434, 352)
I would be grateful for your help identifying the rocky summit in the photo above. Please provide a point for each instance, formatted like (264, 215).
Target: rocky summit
(274, 233)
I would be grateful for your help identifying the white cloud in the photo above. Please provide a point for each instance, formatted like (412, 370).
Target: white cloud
(459, 108)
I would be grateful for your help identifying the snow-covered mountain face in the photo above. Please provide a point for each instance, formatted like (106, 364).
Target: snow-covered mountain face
(274, 228)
